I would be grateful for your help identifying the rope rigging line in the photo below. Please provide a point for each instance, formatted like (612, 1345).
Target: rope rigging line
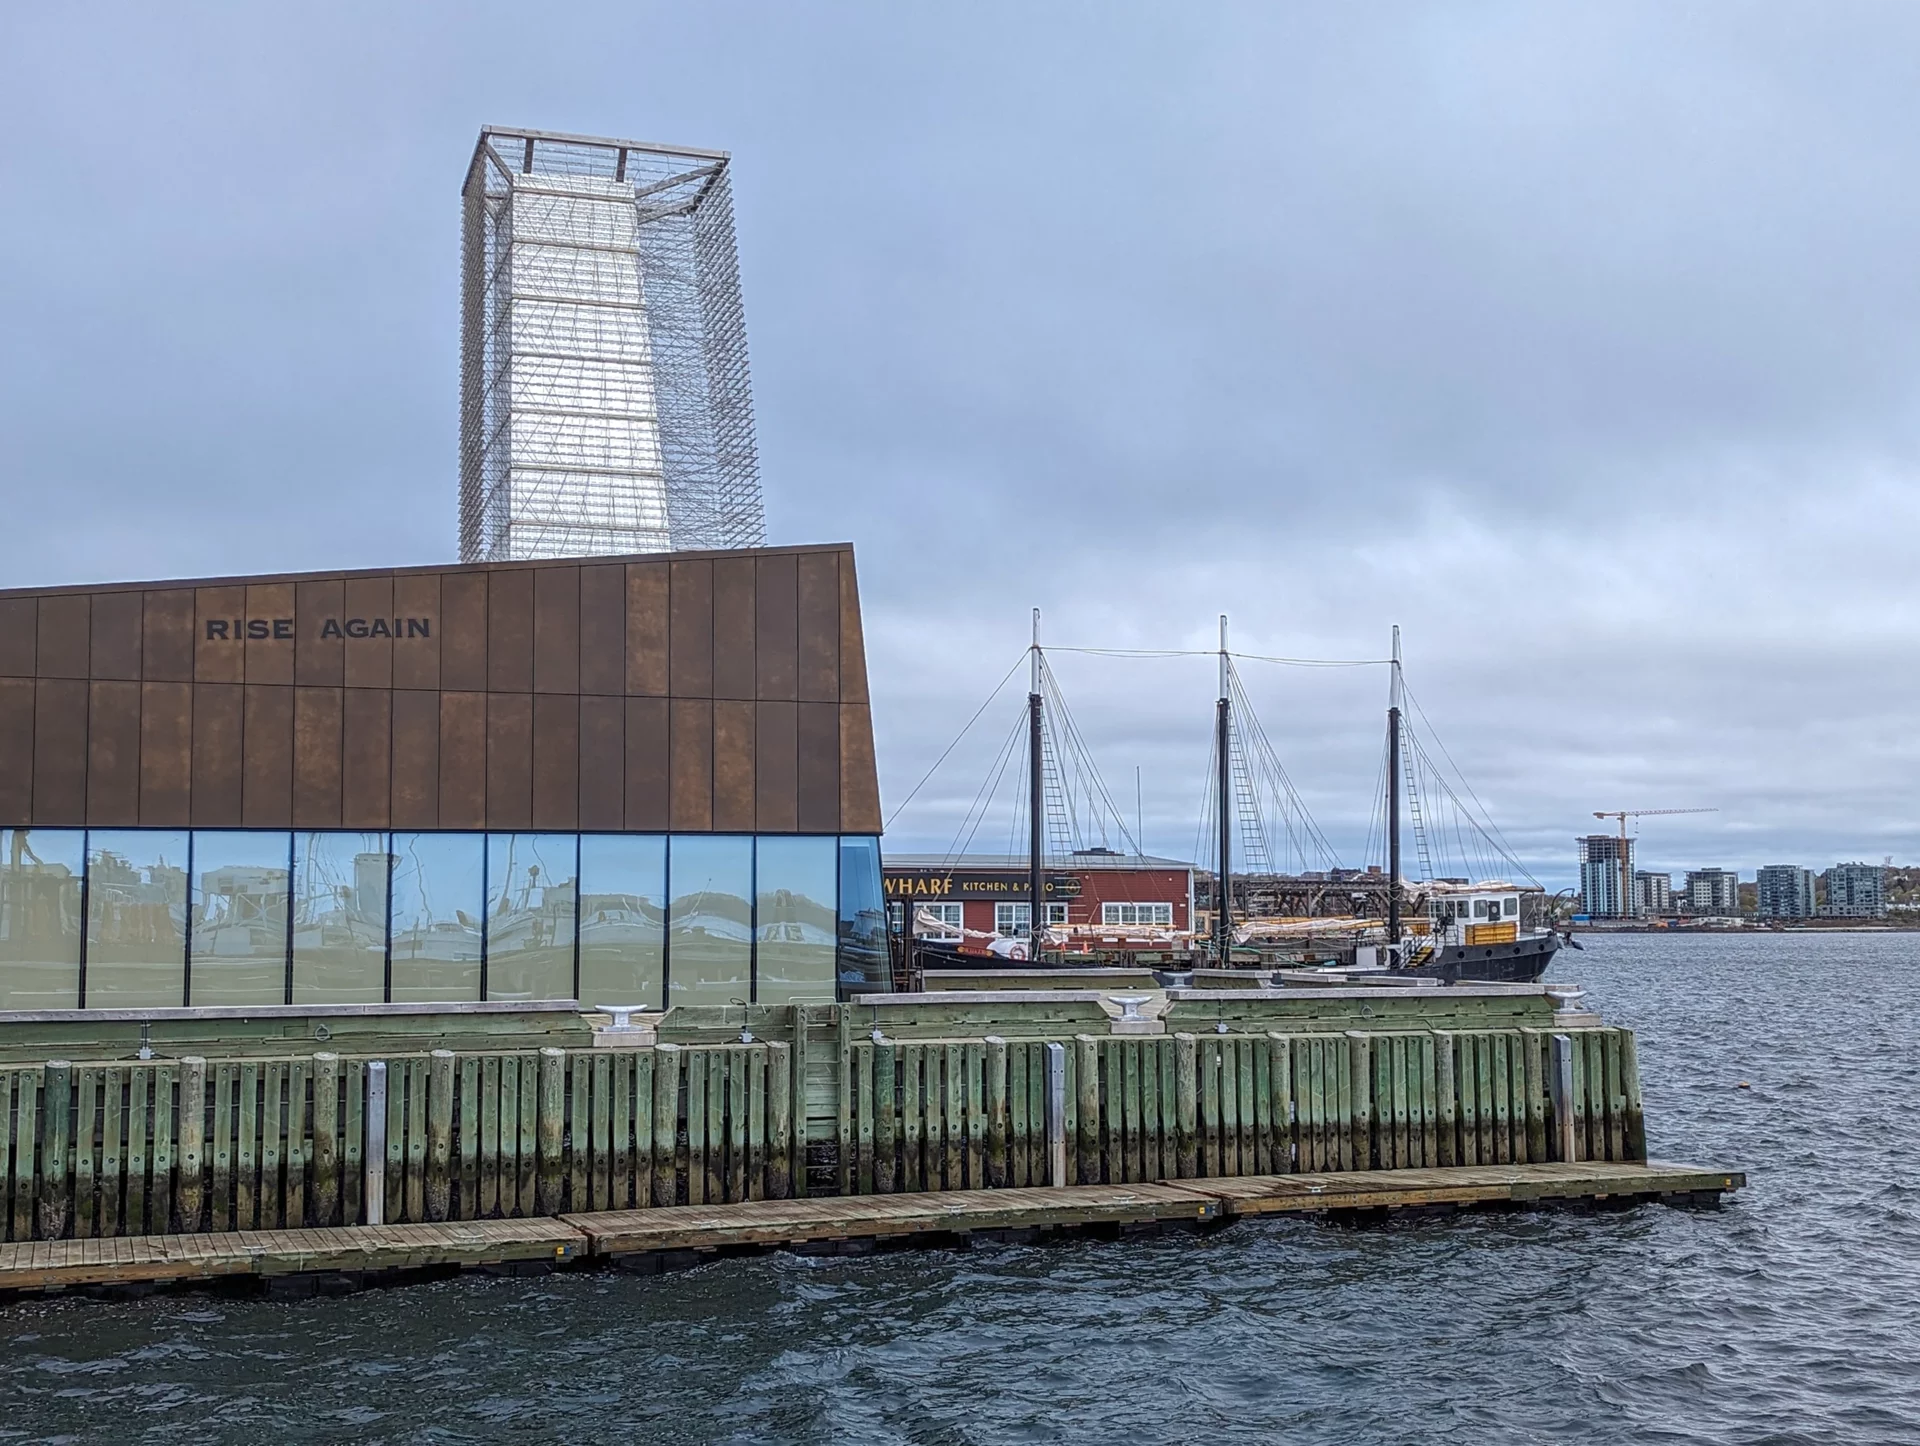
(1215, 652)
(956, 741)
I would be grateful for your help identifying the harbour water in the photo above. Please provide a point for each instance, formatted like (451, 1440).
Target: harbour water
(1790, 1315)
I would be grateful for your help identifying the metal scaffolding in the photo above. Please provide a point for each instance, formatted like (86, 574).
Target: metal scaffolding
(605, 405)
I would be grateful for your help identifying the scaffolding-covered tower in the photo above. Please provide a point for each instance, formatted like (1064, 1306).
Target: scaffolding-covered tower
(604, 400)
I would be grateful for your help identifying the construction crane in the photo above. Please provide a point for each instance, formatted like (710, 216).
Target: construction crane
(1626, 874)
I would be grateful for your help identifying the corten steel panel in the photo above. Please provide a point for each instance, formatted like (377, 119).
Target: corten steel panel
(647, 628)
(19, 623)
(776, 778)
(416, 758)
(369, 604)
(166, 648)
(60, 753)
(509, 761)
(113, 754)
(65, 636)
(603, 755)
(16, 751)
(319, 651)
(733, 665)
(556, 630)
(817, 798)
(733, 783)
(366, 758)
(463, 631)
(603, 629)
(648, 770)
(510, 631)
(853, 644)
(776, 635)
(266, 799)
(690, 629)
(270, 612)
(218, 711)
(166, 754)
(317, 735)
(416, 659)
(556, 761)
(690, 776)
(116, 636)
(217, 658)
(819, 627)
(859, 779)
(463, 760)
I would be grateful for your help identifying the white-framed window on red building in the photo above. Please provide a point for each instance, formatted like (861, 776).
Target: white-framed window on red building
(1011, 921)
(1152, 916)
(938, 921)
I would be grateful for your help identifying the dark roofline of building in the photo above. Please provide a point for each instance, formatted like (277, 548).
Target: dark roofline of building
(418, 569)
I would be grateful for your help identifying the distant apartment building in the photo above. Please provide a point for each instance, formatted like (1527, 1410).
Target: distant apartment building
(1713, 892)
(1652, 894)
(1855, 891)
(1606, 866)
(1783, 891)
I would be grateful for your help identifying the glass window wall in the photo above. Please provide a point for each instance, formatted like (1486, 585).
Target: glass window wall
(623, 919)
(710, 925)
(865, 965)
(136, 919)
(439, 899)
(532, 888)
(40, 872)
(339, 918)
(794, 923)
(238, 947)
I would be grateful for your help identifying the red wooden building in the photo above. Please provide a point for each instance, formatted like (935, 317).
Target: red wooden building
(973, 898)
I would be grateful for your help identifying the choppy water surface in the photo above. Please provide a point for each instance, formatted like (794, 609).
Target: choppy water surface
(1790, 1315)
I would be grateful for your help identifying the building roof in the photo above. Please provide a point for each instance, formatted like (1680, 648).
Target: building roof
(1019, 861)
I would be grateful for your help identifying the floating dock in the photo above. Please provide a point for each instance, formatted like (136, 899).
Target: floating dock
(359, 1254)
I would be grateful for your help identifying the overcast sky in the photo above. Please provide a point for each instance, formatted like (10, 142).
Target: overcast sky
(1582, 342)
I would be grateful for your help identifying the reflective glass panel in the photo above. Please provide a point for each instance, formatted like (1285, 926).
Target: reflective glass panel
(438, 898)
(339, 918)
(531, 891)
(40, 873)
(865, 965)
(136, 918)
(710, 926)
(794, 922)
(239, 941)
(623, 918)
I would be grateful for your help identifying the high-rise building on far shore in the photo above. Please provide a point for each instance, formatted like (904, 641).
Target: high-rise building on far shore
(1855, 891)
(605, 406)
(1714, 892)
(1606, 872)
(1652, 894)
(1783, 891)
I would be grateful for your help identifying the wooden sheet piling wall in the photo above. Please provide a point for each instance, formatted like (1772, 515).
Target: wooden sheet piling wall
(98, 1150)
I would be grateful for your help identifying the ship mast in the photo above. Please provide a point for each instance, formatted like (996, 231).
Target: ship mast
(1393, 796)
(1036, 869)
(1223, 889)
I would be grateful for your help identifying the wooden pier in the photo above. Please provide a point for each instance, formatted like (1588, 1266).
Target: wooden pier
(359, 1253)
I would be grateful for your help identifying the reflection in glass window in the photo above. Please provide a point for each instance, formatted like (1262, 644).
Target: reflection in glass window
(531, 889)
(239, 939)
(339, 918)
(623, 914)
(40, 873)
(439, 895)
(710, 926)
(794, 922)
(865, 965)
(136, 918)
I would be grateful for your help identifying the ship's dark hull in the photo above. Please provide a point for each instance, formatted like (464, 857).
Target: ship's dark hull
(1521, 962)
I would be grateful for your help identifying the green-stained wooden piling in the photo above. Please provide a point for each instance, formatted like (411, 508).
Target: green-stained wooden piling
(439, 1183)
(552, 1130)
(953, 1122)
(622, 1127)
(737, 1066)
(27, 1131)
(716, 1128)
(666, 1123)
(779, 1121)
(326, 1138)
(997, 1116)
(1086, 1061)
(643, 1073)
(912, 1113)
(297, 1150)
(1635, 1125)
(56, 1200)
(600, 1185)
(885, 1104)
(86, 1127)
(527, 1153)
(1186, 1105)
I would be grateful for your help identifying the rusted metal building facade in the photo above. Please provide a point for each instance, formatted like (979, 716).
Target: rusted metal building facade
(644, 780)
